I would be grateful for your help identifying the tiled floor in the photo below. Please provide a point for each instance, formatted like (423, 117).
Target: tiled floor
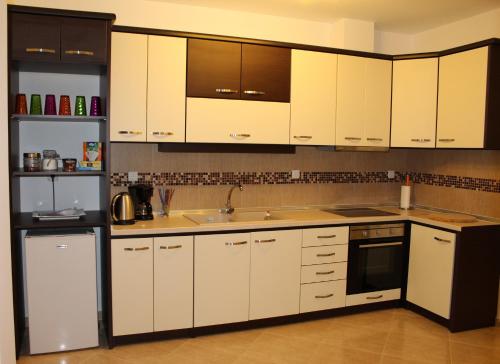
(390, 337)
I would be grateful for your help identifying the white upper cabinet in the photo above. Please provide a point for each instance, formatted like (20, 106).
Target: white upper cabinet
(462, 99)
(363, 102)
(129, 73)
(414, 101)
(166, 90)
(313, 98)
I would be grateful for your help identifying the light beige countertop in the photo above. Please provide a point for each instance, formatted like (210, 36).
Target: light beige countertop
(287, 217)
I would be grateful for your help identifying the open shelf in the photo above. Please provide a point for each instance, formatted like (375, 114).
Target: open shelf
(57, 118)
(59, 173)
(24, 220)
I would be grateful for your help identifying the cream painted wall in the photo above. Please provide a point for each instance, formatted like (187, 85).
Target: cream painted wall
(7, 349)
(354, 34)
(393, 43)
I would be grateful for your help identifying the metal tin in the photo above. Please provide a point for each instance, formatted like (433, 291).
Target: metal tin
(32, 162)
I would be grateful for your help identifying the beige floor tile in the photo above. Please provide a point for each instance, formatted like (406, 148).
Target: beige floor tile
(489, 337)
(386, 359)
(379, 320)
(233, 342)
(356, 337)
(195, 352)
(341, 355)
(410, 323)
(418, 347)
(470, 354)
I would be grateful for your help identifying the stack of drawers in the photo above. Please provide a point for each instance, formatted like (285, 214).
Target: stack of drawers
(324, 268)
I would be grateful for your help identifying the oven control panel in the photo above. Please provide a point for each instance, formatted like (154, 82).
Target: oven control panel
(376, 231)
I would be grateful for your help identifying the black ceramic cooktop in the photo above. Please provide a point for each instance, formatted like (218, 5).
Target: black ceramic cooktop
(359, 212)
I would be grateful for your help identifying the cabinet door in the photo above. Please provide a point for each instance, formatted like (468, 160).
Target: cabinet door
(166, 95)
(173, 283)
(237, 121)
(221, 279)
(129, 65)
(377, 102)
(265, 73)
(430, 270)
(313, 98)
(350, 101)
(84, 40)
(462, 99)
(132, 285)
(275, 273)
(414, 101)
(213, 69)
(35, 37)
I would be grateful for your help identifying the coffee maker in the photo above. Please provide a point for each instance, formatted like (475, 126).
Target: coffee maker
(141, 195)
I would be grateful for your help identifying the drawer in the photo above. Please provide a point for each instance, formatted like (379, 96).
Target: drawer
(325, 236)
(324, 254)
(323, 272)
(370, 297)
(322, 296)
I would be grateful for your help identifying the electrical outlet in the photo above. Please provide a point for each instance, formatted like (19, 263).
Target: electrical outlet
(295, 174)
(391, 174)
(133, 176)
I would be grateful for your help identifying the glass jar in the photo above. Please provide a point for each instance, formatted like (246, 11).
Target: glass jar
(32, 162)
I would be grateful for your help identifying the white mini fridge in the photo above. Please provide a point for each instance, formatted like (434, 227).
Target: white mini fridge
(61, 290)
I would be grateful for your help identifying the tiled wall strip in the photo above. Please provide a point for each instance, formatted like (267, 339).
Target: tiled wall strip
(466, 183)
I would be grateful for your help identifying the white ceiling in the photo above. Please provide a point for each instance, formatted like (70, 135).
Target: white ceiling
(403, 16)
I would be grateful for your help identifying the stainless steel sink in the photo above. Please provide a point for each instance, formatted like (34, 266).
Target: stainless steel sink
(221, 218)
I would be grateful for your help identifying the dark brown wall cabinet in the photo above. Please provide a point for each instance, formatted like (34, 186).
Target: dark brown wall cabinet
(54, 38)
(229, 70)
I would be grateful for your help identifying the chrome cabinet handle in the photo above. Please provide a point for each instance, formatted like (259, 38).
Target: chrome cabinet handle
(369, 246)
(325, 273)
(142, 248)
(78, 52)
(62, 246)
(265, 240)
(129, 132)
(254, 92)
(237, 243)
(374, 297)
(302, 136)
(128, 249)
(352, 138)
(235, 135)
(442, 240)
(326, 236)
(325, 255)
(374, 139)
(421, 140)
(170, 247)
(446, 140)
(226, 91)
(40, 50)
(324, 296)
(162, 133)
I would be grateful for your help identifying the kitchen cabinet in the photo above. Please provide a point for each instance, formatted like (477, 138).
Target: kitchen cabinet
(313, 98)
(237, 121)
(275, 273)
(414, 102)
(166, 89)
(363, 102)
(173, 283)
(430, 270)
(129, 72)
(53, 39)
(468, 109)
(132, 285)
(221, 278)
(230, 70)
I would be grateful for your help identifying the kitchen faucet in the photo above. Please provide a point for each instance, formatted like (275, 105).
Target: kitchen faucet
(229, 209)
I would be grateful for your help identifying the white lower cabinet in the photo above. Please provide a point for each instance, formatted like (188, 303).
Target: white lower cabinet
(221, 278)
(430, 269)
(322, 296)
(173, 283)
(275, 273)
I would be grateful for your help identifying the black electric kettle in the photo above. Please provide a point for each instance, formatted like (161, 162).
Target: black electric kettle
(122, 209)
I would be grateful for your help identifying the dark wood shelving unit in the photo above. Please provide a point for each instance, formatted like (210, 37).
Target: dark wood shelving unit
(24, 220)
(59, 173)
(57, 118)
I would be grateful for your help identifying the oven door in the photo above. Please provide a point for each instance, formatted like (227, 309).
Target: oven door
(375, 265)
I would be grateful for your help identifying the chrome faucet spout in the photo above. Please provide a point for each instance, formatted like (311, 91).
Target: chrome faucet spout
(229, 209)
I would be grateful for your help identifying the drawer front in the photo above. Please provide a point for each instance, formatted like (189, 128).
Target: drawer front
(324, 272)
(370, 297)
(324, 254)
(322, 296)
(325, 236)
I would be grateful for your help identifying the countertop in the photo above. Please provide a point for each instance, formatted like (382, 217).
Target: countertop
(287, 217)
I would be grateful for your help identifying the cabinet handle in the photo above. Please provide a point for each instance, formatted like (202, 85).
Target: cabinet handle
(235, 135)
(142, 248)
(325, 255)
(128, 249)
(62, 246)
(352, 138)
(226, 91)
(446, 140)
(421, 140)
(374, 297)
(77, 52)
(324, 296)
(129, 132)
(325, 273)
(237, 243)
(442, 240)
(374, 139)
(265, 241)
(162, 133)
(326, 236)
(170, 247)
(254, 92)
(302, 137)
(40, 50)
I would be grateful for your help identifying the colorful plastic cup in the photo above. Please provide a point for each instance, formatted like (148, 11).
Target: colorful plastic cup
(21, 104)
(64, 105)
(80, 107)
(95, 106)
(36, 105)
(50, 105)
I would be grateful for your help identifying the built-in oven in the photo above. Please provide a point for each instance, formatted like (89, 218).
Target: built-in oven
(377, 258)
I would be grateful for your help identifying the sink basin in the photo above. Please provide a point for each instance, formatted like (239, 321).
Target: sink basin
(220, 218)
